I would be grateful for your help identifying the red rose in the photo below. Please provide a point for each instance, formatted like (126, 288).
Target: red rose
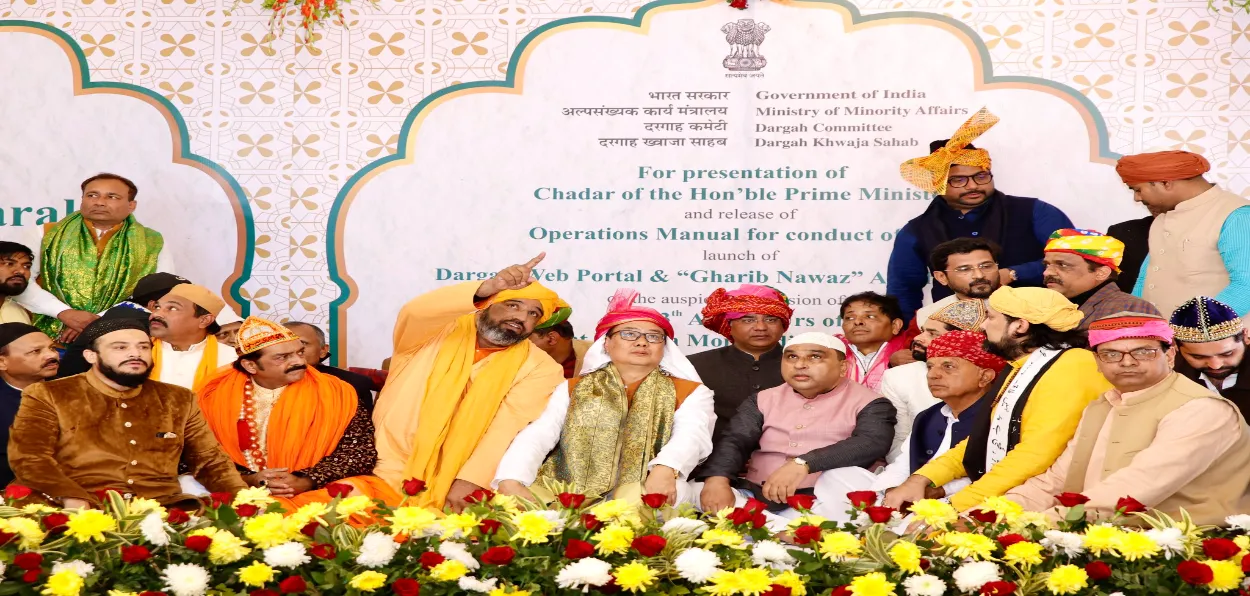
(571, 500)
(590, 522)
(310, 529)
(655, 500)
(406, 587)
(1220, 548)
(430, 559)
(998, 589)
(840, 590)
(480, 495)
(777, 590)
(1072, 499)
(6, 538)
(755, 506)
(758, 520)
(31, 576)
(176, 516)
(983, 516)
(150, 593)
(649, 545)
(220, 499)
(246, 510)
(413, 487)
(806, 534)
(801, 502)
(1195, 573)
(924, 564)
(103, 494)
(16, 491)
(293, 585)
(1097, 570)
(323, 551)
(1009, 539)
(198, 544)
(739, 516)
(498, 555)
(263, 592)
(28, 561)
(742, 5)
(136, 553)
(879, 515)
(578, 549)
(1127, 505)
(338, 489)
(610, 587)
(489, 526)
(862, 498)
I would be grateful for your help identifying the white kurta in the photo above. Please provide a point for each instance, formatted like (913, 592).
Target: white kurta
(898, 471)
(907, 387)
(178, 368)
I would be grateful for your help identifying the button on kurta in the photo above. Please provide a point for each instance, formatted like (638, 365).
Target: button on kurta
(127, 425)
(132, 442)
(134, 462)
(123, 405)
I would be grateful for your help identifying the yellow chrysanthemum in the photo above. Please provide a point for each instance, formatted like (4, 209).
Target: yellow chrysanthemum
(89, 524)
(718, 537)
(226, 548)
(1034, 519)
(63, 583)
(1133, 546)
(448, 571)
(256, 574)
(907, 556)
(792, 580)
(1102, 538)
(1025, 554)
(1243, 542)
(29, 530)
(411, 520)
(253, 495)
(142, 505)
(507, 503)
(122, 593)
(616, 510)
(312, 512)
(368, 581)
(267, 530)
(38, 508)
(613, 539)
(532, 528)
(741, 581)
(934, 512)
(1067, 579)
(635, 577)
(839, 546)
(1007, 510)
(872, 584)
(353, 505)
(505, 592)
(965, 545)
(1225, 576)
(459, 524)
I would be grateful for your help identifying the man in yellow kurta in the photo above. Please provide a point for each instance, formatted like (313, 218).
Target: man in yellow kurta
(463, 382)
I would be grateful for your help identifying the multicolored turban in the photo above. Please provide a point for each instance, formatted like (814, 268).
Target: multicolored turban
(256, 334)
(969, 345)
(929, 173)
(725, 306)
(555, 309)
(1129, 325)
(962, 314)
(1203, 319)
(621, 309)
(1162, 166)
(1091, 245)
(1039, 306)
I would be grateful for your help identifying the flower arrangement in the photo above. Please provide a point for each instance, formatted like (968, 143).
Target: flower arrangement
(501, 546)
(311, 14)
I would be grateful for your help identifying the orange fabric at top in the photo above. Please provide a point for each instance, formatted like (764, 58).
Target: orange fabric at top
(306, 425)
(1161, 166)
(482, 353)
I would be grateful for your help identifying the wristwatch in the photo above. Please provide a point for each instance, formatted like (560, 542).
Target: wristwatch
(802, 462)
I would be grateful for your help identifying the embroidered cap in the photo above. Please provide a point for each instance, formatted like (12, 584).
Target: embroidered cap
(256, 334)
(1204, 319)
(962, 314)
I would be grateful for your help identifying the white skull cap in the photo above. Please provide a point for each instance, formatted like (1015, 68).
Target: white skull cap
(823, 340)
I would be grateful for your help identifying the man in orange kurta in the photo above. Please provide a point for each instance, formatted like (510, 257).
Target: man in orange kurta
(464, 381)
(288, 427)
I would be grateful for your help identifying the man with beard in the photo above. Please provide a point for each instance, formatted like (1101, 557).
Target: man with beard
(15, 263)
(1037, 402)
(873, 325)
(137, 306)
(288, 427)
(1212, 341)
(967, 204)
(463, 381)
(26, 357)
(184, 350)
(1083, 265)
(114, 428)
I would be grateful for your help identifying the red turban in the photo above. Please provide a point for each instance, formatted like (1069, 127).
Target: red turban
(723, 307)
(969, 345)
(1163, 166)
(621, 309)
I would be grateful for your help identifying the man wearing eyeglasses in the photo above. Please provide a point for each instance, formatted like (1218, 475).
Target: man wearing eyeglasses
(1158, 437)
(1084, 265)
(970, 205)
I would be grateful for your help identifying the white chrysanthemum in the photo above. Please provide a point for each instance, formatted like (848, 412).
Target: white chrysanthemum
(1116, 594)
(971, 576)
(555, 517)
(457, 551)
(1063, 542)
(1239, 522)
(288, 554)
(434, 529)
(583, 573)
(684, 525)
(773, 555)
(1171, 540)
(697, 565)
(82, 568)
(924, 585)
(376, 550)
(469, 583)
(186, 579)
(153, 529)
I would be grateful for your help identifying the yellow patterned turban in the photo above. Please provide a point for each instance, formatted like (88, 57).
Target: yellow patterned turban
(555, 310)
(256, 334)
(929, 173)
(1089, 245)
(1039, 306)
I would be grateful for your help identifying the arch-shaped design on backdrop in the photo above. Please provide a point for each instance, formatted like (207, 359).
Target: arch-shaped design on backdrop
(513, 83)
(182, 153)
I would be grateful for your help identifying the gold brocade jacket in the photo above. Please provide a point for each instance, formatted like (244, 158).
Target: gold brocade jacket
(76, 435)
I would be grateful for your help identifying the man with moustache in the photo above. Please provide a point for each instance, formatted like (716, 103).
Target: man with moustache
(184, 350)
(15, 263)
(26, 357)
(114, 428)
(873, 325)
(1083, 265)
(1212, 342)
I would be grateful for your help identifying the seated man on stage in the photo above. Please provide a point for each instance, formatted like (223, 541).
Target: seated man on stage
(185, 351)
(1158, 437)
(287, 426)
(873, 325)
(637, 423)
(1211, 341)
(815, 434)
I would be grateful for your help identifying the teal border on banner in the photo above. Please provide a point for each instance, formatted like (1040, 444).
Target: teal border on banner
(182, 146)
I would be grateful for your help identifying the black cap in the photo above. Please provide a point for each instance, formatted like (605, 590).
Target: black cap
(155, 286)
(10, 332)
(102, 327)
(938, 144)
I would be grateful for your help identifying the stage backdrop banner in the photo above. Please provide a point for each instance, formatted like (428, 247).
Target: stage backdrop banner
(704, 150)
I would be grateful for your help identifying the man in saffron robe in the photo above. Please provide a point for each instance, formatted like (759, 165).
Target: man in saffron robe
(287, 426)
(463, 381)
(637, 423)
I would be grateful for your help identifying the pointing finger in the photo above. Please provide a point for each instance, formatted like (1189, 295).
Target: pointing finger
(536, 260)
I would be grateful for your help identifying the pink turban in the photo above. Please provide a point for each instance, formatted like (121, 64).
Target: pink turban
(621, 309)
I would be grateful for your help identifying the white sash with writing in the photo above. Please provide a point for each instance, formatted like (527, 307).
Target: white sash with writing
(1000, 421)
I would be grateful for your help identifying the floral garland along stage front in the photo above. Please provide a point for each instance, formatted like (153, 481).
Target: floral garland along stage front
(500, 546)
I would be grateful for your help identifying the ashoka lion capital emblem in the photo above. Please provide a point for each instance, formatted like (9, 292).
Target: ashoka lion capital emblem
(744, 37)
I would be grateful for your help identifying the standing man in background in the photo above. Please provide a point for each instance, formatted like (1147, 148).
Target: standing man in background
(559, 342)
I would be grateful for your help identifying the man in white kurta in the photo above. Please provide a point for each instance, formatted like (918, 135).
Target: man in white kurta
(185, 351)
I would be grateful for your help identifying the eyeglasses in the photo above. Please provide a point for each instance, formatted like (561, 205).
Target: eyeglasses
(962, 181)
(632, 335)
(752, 319)
(1140, 355)
(966, 269)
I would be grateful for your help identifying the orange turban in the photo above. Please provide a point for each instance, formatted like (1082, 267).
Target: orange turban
(1163, 166)
(929, 173)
